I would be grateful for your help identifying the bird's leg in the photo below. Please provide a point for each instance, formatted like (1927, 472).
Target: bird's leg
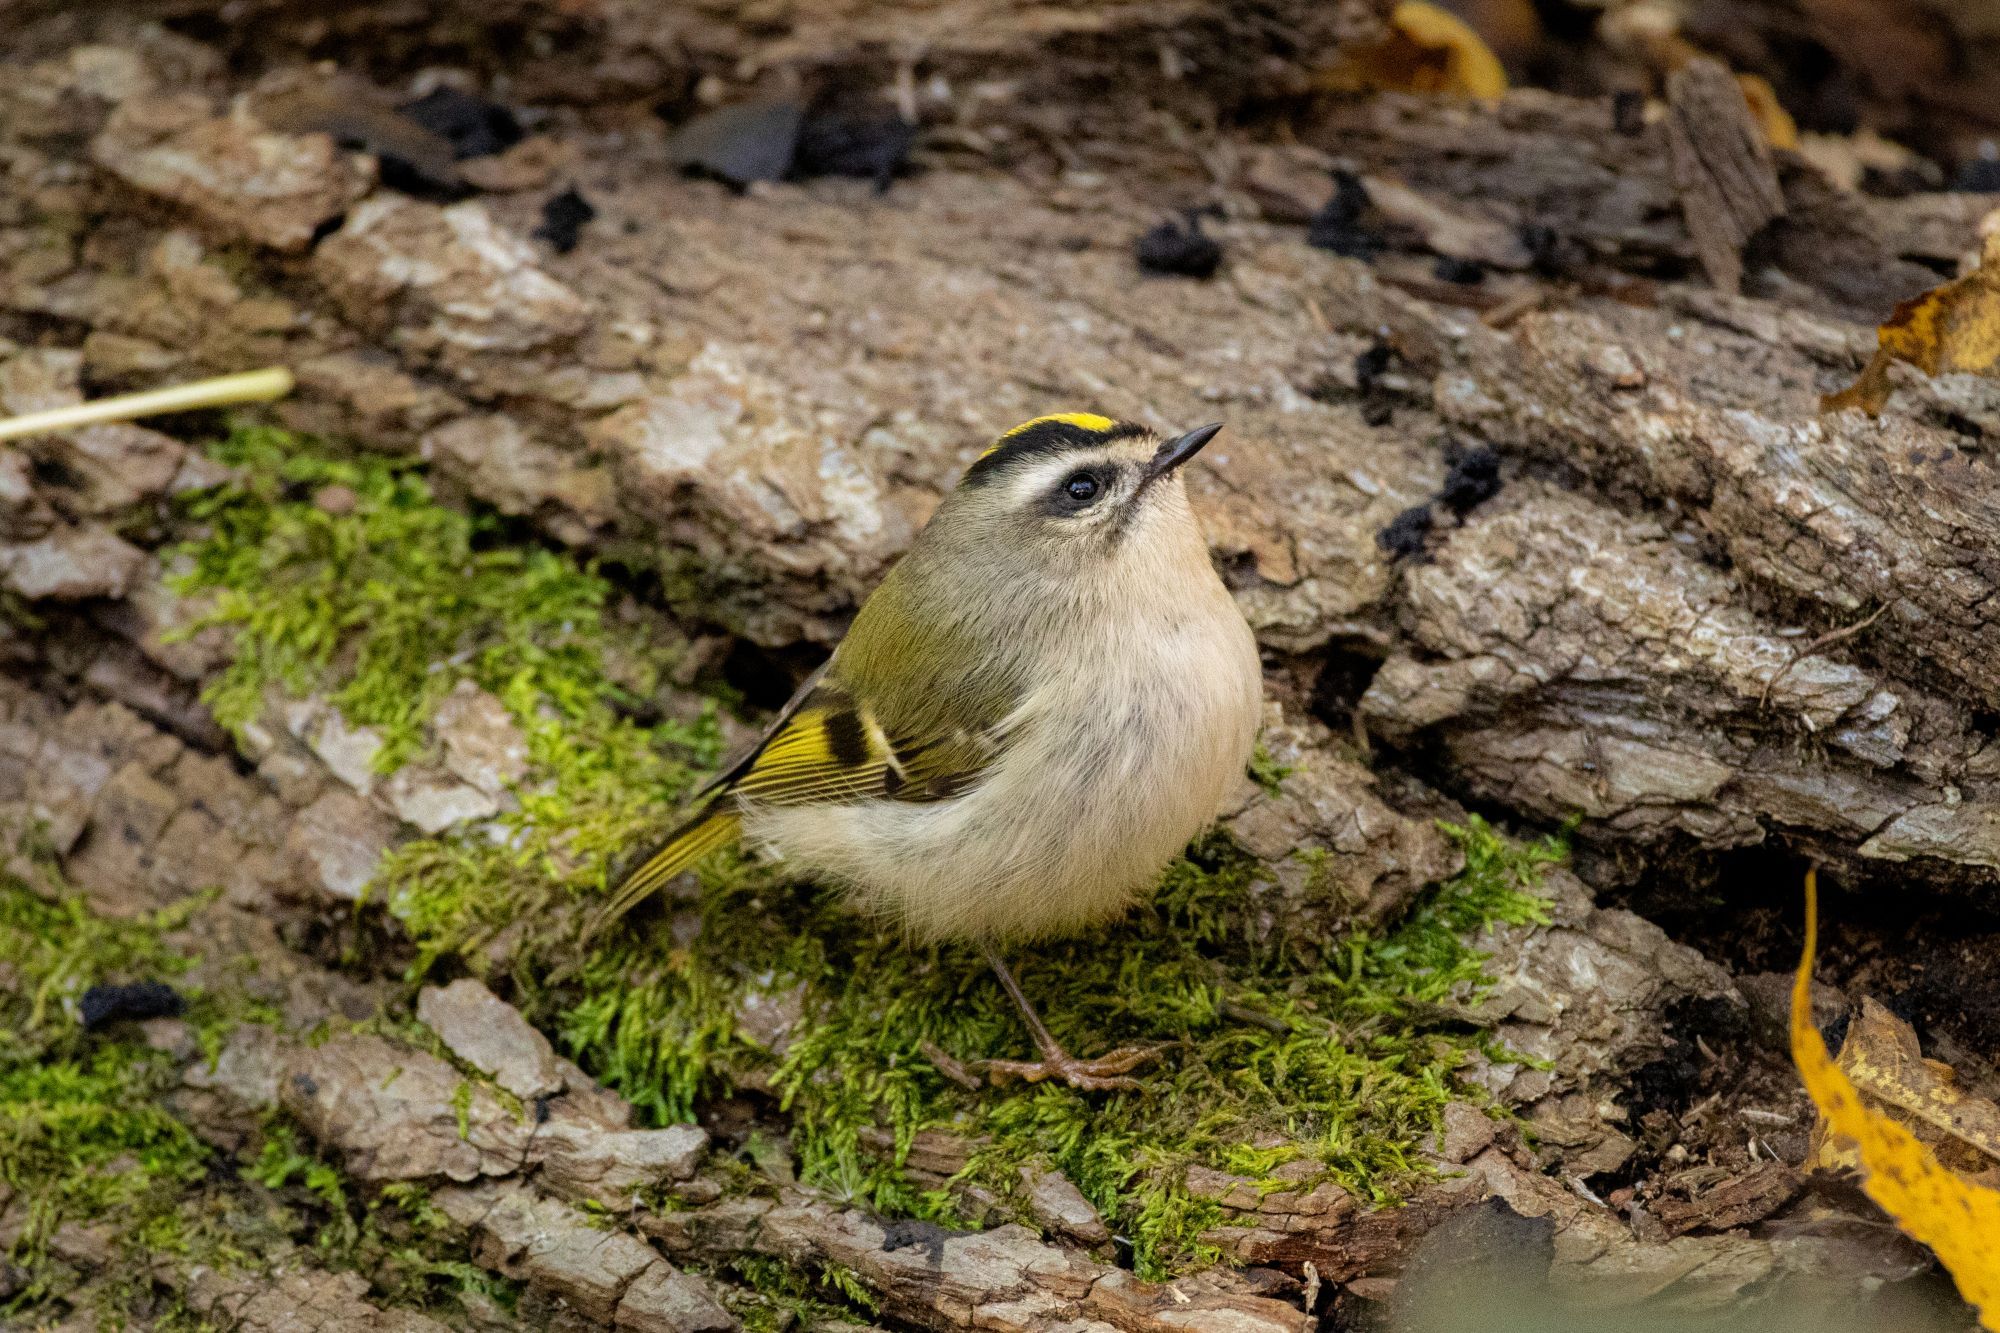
(1105, 1073)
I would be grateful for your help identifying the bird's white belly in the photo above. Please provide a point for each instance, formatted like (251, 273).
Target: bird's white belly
(1102, 781)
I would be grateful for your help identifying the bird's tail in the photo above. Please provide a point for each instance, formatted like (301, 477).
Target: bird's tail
(711, 830)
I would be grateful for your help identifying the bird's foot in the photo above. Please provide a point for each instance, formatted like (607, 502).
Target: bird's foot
(1106, 1073)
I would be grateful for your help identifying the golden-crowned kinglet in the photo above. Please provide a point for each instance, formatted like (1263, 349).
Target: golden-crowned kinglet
(1039, 706)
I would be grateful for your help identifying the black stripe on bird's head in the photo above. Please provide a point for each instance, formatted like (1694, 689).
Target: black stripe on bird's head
(1047, 437)
(1076, 481)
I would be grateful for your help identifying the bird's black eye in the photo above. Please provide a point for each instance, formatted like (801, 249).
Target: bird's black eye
(1080, 487)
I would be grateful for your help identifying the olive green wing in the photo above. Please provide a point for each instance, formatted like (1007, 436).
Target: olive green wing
(837, 748)
(827, 746)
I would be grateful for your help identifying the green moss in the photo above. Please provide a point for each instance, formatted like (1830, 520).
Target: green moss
(1266, 771)
(383, 605)
(1273, 1049)
(84, 1137)
(394, 1236)
(386, 601)
(89, 1136)
(1264, 1060)
(776, 1295)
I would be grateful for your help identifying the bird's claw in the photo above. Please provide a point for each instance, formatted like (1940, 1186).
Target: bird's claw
(1106, 1073)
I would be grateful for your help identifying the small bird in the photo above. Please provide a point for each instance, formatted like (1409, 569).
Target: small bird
(1043, 701)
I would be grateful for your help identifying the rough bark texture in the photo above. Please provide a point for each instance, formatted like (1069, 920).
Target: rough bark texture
(1687, 609)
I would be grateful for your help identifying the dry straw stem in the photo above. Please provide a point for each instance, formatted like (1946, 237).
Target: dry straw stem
(250, 386)
(1930, 1202)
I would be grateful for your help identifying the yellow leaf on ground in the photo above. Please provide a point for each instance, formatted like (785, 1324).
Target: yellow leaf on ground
(1950, 329)
(1780, 130)
(1428, 50)
(1958, 1219)
(1882, 1060)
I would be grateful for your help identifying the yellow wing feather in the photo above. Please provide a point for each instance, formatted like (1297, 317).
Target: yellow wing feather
(828, 749)
(711, 831)
(823, 754)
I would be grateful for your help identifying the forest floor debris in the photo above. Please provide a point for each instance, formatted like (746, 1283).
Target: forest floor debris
(379, 713)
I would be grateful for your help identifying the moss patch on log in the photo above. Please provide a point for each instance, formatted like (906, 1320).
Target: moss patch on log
(393, 1234)
(384, 600)
(102, 1183)
(83, 1134)
(96, 1159)
(1270, 1052)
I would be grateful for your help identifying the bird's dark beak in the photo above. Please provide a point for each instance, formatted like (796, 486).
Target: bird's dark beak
(1177, 451)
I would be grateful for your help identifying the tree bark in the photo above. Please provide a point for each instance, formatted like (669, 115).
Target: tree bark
(1684, 608)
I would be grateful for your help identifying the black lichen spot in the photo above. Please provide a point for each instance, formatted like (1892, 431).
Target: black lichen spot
(102, 1005)
(1378, 406)
(563, 217)
(1179, 248)
(1979, 175)
(1474, 479)
(1628, 111)
(307, 1085)
(1339, 225)
(1547, 251)
(741, 144)
(1405, 533)
(51, 471)
(1465, 272)
(1371, 365)
(473, 126)
(906, 1233)
(869, 145)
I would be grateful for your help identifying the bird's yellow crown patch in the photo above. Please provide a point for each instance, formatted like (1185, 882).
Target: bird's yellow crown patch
(1089, 421)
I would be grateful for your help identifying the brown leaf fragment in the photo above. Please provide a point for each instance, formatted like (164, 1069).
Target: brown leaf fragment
(1722, 167)
(1882, 1059)
(1953, 1213)
(1951, 329)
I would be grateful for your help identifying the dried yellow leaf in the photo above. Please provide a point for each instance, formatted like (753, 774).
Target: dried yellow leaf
(1780, 130)
(1428, 50)
(1958, 1219)
(1950, 329)
(1882, 1059)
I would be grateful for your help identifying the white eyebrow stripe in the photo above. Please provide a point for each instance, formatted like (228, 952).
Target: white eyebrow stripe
(1041, 476)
